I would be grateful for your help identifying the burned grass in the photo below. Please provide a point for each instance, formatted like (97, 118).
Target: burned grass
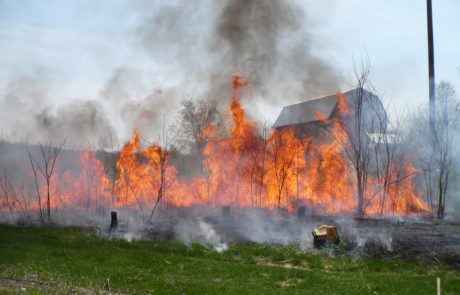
(57, 260)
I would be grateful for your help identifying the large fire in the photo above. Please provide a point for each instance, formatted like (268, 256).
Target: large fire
(250, 167)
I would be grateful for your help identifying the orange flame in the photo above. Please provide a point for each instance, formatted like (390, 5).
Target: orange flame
(245, 169)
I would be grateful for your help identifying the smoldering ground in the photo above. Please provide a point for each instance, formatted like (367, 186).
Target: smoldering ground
(388, 238)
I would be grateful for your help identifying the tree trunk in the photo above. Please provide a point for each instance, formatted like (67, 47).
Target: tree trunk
(360, 198)
(48, 202)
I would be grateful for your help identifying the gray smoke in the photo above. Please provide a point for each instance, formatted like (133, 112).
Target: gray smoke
(195, 48)
(119, 85)
(82, 122)
(150, 115)
(208, 227)
(31, 117)
(133, 105)
(23, 99)
(268, 42)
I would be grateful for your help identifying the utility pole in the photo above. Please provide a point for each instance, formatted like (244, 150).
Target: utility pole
(429, 15)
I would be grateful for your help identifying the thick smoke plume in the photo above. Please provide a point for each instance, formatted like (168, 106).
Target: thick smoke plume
(269, 42)
(196, 48)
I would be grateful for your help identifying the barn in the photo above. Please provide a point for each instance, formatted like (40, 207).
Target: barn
(304, 117)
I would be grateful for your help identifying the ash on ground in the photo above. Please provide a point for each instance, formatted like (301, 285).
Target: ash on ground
(416, 239)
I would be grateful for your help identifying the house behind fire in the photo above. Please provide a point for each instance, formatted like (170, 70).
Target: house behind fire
(304, 118)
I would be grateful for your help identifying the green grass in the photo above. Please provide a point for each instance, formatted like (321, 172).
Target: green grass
(59, 260)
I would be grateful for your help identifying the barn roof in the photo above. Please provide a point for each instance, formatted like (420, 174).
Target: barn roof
(304, 112)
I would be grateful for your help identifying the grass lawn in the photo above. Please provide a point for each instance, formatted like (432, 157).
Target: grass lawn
(57, 260)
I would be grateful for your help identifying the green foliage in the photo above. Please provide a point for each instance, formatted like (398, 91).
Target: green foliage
(64, 259)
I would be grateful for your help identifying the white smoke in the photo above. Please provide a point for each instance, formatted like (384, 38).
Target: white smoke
(201, 232)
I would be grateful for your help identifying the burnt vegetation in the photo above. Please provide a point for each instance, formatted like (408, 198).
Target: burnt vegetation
(357, 160)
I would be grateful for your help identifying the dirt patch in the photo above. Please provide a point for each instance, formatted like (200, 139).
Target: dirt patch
(409, 239)
(26, 285)
(424, 242)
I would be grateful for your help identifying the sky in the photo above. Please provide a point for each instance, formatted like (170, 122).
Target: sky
(95, 50)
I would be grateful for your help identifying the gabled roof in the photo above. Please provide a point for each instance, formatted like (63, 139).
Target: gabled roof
(305, 112)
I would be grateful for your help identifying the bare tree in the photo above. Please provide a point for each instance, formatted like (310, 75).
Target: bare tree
(283, 153)
(193, 118)
(356, 123)
(162, 167)
(418, 126)
(110, 160)
(23, 203)
(4, 184)
(440, 138)
(90, 181)
(262, 168)
(46, 166)
(433, 142)
(161, 184)
(208, 176)
(37, 185)
(12, 199)
(256, 162)
(390, 158)
(93, 172)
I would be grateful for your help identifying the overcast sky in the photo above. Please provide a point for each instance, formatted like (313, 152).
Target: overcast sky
(74, 47)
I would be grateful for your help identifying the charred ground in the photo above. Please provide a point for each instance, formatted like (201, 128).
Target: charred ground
(411, 239)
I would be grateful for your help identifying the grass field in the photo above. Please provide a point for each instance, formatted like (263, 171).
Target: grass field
(57, 260)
